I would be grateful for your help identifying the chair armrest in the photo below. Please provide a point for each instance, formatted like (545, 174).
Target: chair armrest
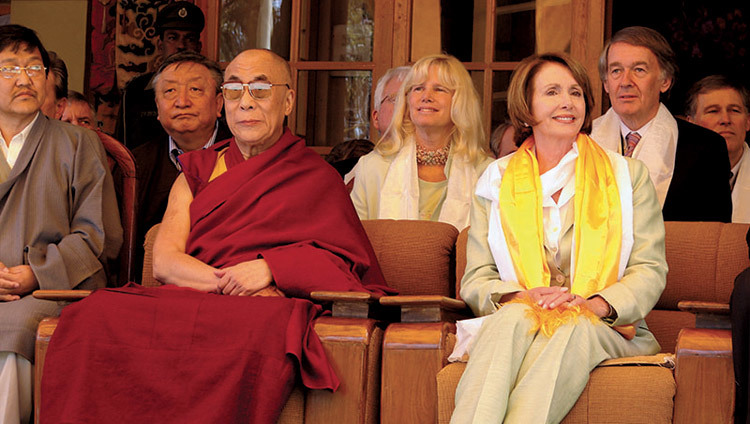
(704, 375)
(354, 305)
(428, 308)
(708, 314)
(61, 295)
(413, 354)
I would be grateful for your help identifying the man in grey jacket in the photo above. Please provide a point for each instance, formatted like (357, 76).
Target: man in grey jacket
(59, 221)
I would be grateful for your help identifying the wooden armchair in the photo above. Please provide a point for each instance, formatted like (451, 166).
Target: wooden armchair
(703, 258)
(415, 257)
(411, 254)
(417, 348)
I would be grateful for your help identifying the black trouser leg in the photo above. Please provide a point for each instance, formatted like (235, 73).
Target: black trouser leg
(740, 314)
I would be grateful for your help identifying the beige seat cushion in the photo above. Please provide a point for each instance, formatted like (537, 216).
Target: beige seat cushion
(624, 394)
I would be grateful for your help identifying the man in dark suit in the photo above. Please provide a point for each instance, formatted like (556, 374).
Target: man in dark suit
(688, 164)
(178, 26)
(189, 102)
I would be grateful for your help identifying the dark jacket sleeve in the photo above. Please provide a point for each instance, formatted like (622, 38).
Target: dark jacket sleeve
(699, 190)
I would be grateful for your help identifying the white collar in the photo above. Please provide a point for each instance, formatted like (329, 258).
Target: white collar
(174, 150)
(657, 148)
(736, 169)
(559, 177)
(624, 130)
(11, 150)
(741, 188)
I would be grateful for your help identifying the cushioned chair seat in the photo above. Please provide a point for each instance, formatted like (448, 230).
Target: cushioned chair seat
(643, 394)
(703, 259)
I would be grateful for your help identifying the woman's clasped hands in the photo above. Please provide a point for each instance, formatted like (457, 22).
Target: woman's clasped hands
(560, 297)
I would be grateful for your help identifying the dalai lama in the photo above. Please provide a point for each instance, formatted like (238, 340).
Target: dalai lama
(253, 225)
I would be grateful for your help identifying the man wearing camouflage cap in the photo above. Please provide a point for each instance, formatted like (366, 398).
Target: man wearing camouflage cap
(178, 26)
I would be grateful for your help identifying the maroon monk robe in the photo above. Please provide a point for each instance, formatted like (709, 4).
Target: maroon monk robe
(177, 355)
(287, 206)
(116, 357)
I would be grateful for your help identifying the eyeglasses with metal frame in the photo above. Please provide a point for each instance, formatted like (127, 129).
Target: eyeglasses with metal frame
(233, 90)
(32, 71)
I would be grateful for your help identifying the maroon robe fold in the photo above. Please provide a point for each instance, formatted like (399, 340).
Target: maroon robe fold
(177, 355)
(172, 354)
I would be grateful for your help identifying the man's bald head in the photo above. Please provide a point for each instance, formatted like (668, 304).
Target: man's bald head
(268, 59)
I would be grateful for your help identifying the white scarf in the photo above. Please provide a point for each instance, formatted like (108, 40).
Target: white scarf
(399, 195)
(656, 149)
(741, 190)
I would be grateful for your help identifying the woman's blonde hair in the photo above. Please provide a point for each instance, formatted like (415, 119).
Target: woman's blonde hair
(467, 136)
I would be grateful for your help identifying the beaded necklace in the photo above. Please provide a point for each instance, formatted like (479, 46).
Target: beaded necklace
(432, 157)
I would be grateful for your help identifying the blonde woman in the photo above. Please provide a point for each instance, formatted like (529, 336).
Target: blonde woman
(427, 162)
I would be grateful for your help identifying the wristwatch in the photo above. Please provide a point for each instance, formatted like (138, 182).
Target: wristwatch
(611, 316)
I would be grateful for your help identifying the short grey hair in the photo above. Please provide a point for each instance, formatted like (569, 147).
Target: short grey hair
(398, 73)
(713, 83)
(643, 37)
(190, 57)
(76, 96)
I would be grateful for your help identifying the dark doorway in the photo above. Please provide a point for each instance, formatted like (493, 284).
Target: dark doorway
(708, 37)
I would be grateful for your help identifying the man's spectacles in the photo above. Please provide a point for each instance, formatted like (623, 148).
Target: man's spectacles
(258, 90)
(390, 99)
(14, 71)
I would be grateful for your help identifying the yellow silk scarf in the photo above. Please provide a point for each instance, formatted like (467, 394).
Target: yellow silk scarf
(597, 229)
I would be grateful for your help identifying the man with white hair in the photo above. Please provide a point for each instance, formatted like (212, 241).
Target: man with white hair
(385, 97)
(382, 112)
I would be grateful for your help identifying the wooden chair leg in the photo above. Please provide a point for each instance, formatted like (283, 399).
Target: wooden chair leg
(43, 333)
(413, 354)
(705, 377)
(353, 348)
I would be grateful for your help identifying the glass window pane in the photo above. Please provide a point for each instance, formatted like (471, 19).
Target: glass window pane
(460, 25)
(500, 83)
(248, 24)
(337, 30)
(333, 106)
(515, 30)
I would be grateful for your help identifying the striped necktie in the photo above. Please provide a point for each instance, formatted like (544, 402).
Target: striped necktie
(632, 138)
